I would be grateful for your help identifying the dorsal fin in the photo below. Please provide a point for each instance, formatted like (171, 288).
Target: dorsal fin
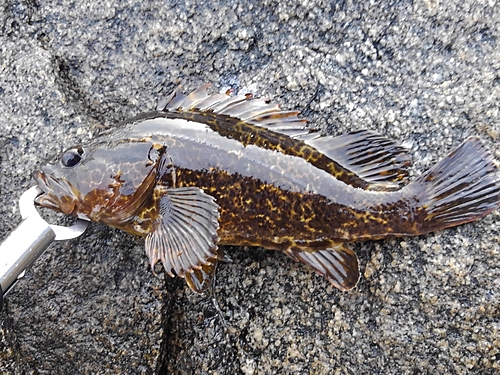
(376, 159)
(379, 162)
(260, 112)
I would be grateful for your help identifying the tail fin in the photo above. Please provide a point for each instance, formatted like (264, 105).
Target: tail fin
(462, 188)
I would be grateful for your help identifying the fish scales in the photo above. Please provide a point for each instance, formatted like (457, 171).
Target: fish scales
(266, 195)
(209, 170)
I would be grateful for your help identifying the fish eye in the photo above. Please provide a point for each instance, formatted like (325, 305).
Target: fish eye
(72, 156)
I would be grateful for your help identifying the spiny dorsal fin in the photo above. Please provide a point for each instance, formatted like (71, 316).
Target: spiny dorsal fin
(260, 112)
(376, 159)
(185, 235)
(339, 265)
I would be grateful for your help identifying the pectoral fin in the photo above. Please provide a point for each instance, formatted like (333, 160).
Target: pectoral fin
(339, 265)
(199, 279)
(184, 237)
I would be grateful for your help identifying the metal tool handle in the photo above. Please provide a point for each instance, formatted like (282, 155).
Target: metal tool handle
(22, 247)
(29, 240)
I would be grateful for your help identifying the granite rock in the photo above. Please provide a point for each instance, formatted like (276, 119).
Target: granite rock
(426, 73)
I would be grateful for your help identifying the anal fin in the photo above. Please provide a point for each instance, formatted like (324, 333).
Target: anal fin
(339, 265)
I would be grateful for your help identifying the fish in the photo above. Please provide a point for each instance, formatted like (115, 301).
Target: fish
(204, 170)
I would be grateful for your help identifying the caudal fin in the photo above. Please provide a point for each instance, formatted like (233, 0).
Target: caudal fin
(462, 188)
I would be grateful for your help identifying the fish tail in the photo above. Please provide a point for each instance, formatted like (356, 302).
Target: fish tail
(462, 188)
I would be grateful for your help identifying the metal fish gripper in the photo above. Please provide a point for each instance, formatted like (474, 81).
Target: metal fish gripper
(27, 242)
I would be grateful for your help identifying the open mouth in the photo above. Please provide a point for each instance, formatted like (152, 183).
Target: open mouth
(57, 193)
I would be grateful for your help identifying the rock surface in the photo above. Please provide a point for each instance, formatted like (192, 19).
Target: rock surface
(426, 73)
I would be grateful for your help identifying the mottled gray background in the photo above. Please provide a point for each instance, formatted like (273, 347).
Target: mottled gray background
(424, 72)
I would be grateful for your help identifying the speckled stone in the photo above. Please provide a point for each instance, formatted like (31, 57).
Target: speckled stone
(425, 73)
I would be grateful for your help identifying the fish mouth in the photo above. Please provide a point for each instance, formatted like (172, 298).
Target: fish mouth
(58, 194)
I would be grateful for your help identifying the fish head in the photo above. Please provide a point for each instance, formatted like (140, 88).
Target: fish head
(58, 181)
(105, 182)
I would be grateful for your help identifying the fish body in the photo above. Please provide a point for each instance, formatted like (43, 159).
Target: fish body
(208, 170)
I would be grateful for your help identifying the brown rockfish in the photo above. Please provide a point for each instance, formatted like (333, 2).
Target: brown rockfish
(207, 170)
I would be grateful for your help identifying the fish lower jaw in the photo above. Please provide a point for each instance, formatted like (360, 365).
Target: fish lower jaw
(46, 201)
